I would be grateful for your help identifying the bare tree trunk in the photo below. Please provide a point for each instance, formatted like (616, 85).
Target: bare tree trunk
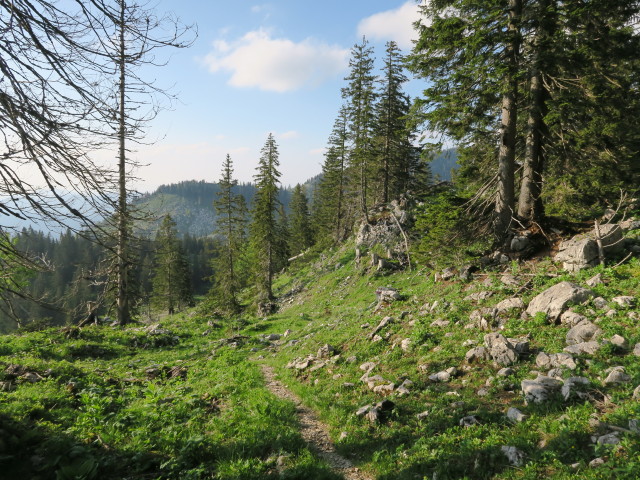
(507, 153)
(123, 314)
(530, 206)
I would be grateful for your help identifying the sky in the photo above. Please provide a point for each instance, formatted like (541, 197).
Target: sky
(258, 68)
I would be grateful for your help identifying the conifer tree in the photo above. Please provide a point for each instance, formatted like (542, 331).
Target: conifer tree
(392, 136)
(264, 226)
(300, 234)
(172, 279)
(330, 208)
(230, 208)
(360, 97)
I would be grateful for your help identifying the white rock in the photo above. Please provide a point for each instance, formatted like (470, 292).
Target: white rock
(571, 318)
(624, 301)
(588, 348)
(620, 342)
(554, 300)
(617, 376)
(584, 331)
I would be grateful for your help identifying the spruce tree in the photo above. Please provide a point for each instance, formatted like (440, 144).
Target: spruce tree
(172, 278)
(330, 208)
(392, 136)
(300, 234)
(360, 97)
(230, 208)
(264, 226)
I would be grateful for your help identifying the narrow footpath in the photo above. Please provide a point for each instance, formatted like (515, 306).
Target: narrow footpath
(313, 431)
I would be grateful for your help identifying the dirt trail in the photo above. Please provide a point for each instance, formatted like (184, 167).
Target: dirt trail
(314, 432)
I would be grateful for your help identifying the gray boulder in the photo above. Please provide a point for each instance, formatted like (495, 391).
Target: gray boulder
(555, 360)
(584, 331)
(573, 386)
(501, 350)
(581, 251)
(554, 300)
(584, 348)
(541, 389)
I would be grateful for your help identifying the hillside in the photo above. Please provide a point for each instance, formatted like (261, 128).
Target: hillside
(410, 370)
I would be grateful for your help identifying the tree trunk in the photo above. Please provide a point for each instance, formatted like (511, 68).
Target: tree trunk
(123, 314)
(507, 152)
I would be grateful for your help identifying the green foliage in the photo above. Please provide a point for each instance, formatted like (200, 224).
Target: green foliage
(444, 230)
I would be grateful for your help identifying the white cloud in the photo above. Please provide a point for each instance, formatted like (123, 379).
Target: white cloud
(394, 25)
(276, 64)
(288, 135)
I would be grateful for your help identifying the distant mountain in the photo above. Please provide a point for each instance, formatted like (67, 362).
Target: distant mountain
(443, 164)
(190, 204)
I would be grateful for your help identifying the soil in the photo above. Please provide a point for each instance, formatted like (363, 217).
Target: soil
(313, 431)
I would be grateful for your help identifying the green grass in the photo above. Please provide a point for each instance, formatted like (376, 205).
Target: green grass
(106, 407)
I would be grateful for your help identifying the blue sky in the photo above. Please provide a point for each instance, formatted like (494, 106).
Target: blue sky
(257, 68)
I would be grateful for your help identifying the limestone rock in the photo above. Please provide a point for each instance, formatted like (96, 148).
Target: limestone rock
(617, 376)
(624, 301)
(636, 350)
(573, 385)
(584, 331)
(387, 294)
(541, 389)
(514, 455)
(477, 354)
(588, 348)
(595, 280)
(469, 421)
(443, 376)
(326, 351)
(620, 342)
(571, 318)
(554, 300)
(500, 349)
(555, 360)
(516, 415)
(510, 303)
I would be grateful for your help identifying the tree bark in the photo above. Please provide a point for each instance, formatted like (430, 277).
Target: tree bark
(507, 152)
(123, 313)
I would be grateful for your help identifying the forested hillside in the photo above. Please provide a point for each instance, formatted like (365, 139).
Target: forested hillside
(386, 320)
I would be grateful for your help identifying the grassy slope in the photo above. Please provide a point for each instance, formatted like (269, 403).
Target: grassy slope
(97, 414)
(335, 305)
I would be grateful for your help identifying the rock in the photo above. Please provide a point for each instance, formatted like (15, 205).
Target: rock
(634, 425)
(596, 462)
(636, 393)
(636, 350)
(367, 366)
(573, 385)
(31, 377)
(516, 415)
(348, 385)
(582, 250)
(617, 376)
(373, 381)
(387, 294)
(385, 389)
(595, 280)
(620, 342)
(272, 337)
(383, 323)
(443, 376)
(351, 359)
(555, 360)
(326, 351)
(571, 318)
(554, 300)
(510, 303)
(509, 280)
(466, 272)
(483, 392)
(478, 296)
(588, 348)
(520, 243)
(624, 301)
(584, 331)
(423, 415)
(500, 349)
(441, 323)
(609, 439)
(363, 410)
(380, 411)
(377, 338)
(405, 345)
(541, 389)
(448, 273)
(515, 456)
(477, 354)
(600, 303)
(287, 332)
(469, 421)
(506, 372)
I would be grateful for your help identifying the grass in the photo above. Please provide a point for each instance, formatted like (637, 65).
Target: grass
(183, 404)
